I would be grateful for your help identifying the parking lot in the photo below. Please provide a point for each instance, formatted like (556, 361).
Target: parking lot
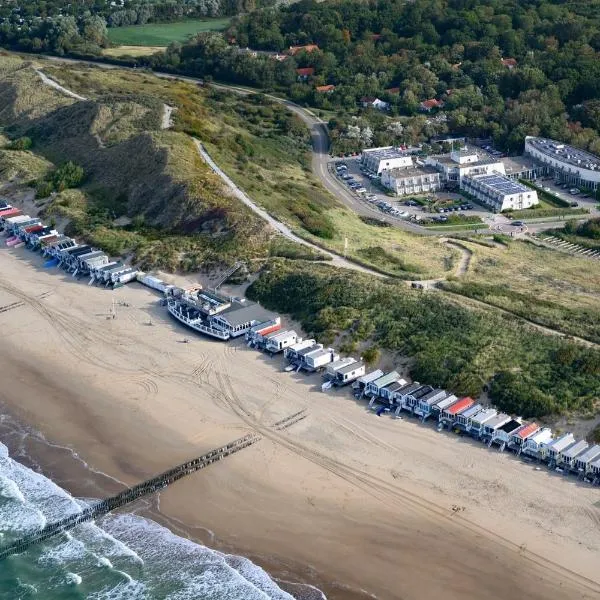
(583, 199)
(368, 191)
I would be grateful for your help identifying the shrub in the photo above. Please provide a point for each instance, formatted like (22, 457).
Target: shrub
(23, 143)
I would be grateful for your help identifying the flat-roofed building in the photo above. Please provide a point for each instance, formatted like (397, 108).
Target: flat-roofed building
(413, 179)
(499, 192)
(460, 163)
(377, 160)
(566, 163)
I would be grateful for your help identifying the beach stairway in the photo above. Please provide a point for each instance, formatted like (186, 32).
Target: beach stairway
(227, 274)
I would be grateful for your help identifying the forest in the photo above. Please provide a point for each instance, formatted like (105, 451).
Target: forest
(502, 70)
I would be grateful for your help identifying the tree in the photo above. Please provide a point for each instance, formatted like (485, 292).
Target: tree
(94, 30)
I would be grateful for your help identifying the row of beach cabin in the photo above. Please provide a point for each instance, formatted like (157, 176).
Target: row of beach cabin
(389, 392)
(77, 258)
(386, 392)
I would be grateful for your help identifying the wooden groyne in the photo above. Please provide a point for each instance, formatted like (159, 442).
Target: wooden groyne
(144, 488)
(129, 495)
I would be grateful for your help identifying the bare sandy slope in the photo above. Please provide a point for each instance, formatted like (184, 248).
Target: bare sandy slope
(362, 501)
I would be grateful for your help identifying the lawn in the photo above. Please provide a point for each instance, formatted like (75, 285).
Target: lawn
(162, 34)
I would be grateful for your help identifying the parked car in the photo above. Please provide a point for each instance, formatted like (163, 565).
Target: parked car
(574, 191)
(574, 204)
(518, 223)
(361, 190)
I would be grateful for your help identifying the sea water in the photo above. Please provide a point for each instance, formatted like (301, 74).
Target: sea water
(118, 557)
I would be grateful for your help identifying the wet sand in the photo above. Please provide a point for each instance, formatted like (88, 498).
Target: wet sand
(343, 499)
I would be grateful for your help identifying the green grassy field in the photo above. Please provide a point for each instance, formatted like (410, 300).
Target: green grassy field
(162, 34)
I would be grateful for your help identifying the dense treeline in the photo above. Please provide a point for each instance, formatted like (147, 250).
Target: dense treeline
(528, 373)
(449, 50)
(60, 26)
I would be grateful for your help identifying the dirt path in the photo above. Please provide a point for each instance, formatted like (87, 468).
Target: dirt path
(465, 261)
(283, 229)
(167, 121)
(45, 79)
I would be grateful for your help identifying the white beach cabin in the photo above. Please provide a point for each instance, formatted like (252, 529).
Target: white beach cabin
(351, 372)
(361, 383)
(423, 406)
(583, 461)
(462, 420)
(373, 387)
(566, 458)
(315, 361)
(401, 396)
(291, 353)
(489, 427)
(517, 438)
(555, 447)
(278, 342)
(535, 445)
(502, 434)
(387, 392)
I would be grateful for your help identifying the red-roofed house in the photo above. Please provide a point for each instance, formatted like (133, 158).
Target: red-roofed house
(293, 50)
(305, 73)
(518, 437)
(510, 63)
(429, 105)
(325, 89)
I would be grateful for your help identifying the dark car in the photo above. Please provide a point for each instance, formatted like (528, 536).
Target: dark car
(518, 223)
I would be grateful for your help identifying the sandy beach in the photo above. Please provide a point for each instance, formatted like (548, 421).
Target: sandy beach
(359, 505)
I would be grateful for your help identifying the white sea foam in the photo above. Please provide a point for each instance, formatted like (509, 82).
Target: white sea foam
(125, 556)
(104, 562)
(73, 579)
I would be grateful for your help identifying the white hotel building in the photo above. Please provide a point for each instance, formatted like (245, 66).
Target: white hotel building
(499, 192)
(566, 163)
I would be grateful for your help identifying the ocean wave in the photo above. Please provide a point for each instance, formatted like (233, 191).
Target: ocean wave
(119, 557)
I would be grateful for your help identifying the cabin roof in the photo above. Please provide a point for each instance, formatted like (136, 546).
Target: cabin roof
(472, 411)
(409, 388)
(423, 391)
(351, 367)
(341, 362)
(590, 454)
(309, 349)
(575, 449)
(281, 335)
(485, 415)
(541, 436)
(497, 421)
(387, 378)
(527, 430)
(461, 405)
(510, 426)
(372, 376)
(322, 352)
(433, 396)
(562, 442)
(446, 402)
(238, 314)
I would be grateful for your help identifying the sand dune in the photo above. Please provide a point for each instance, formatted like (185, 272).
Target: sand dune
(359, 502)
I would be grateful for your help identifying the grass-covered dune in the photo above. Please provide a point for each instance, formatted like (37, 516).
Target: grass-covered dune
(181, 214)
(463, 350)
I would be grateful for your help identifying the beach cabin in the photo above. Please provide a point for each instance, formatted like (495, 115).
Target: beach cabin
(387, 392)
(351, 372)
(462, 420)
(361, 383)
(423, 406)
(566, 458)
(583, 461)
(535, 444)
(332, 368)
(503, 433)
(262, 330)
(90, 261)
(594, 470)
(278, 342)
(122, 277)
(374, 387)
(437, 410)
(410, 398)
(491, 425)
(291, 353)
(555, 447)
(449, 414)
(315, 361)
(401, 396)
(518, 437)
(302, 354)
